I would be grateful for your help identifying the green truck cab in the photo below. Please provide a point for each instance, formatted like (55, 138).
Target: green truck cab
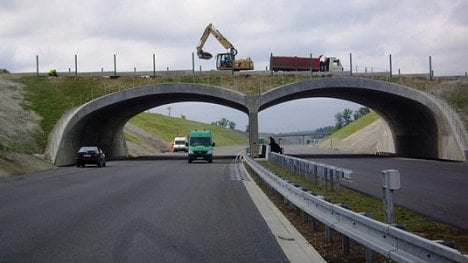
(200, 146)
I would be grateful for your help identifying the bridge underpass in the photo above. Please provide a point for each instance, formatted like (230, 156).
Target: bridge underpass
(421, 126)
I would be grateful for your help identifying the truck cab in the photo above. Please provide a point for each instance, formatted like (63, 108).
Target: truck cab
(180, 144)
(331, 64)
(200, 146)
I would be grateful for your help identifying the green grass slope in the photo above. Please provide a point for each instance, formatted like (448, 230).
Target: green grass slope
(166, 128)
(354, 126)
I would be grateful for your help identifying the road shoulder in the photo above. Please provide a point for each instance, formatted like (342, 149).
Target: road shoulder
(294, 245)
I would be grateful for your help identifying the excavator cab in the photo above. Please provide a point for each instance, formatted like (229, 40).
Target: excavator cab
(224, 61)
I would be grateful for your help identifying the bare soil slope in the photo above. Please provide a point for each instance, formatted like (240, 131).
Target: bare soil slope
(18, 128)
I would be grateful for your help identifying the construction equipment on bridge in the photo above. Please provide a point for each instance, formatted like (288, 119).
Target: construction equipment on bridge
(224, 61)
(319, 64)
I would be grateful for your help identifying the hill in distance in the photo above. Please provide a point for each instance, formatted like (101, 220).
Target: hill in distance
(157, 131)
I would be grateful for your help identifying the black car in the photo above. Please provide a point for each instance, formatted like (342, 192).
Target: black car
(90, 155)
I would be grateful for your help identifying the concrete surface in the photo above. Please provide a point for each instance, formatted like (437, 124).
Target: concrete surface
(422, 127)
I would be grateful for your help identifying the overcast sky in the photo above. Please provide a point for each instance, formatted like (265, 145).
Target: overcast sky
(371, 30)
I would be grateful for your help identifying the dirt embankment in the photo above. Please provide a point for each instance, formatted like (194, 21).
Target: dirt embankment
(145, 144)
(374, 138)
(18, 130)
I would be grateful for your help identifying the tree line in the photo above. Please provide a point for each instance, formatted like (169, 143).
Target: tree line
(342, 119)
(347, 116)
(225, 123)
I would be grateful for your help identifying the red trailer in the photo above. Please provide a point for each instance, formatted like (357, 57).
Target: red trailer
(284, 63)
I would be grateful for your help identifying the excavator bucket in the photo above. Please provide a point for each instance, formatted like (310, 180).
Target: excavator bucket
(205, 55)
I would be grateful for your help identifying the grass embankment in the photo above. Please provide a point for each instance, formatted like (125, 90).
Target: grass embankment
(166, 128)
(355, 126)
(355, 201)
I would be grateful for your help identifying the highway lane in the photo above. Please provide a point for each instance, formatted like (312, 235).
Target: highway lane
(438, 189)
(133, 211)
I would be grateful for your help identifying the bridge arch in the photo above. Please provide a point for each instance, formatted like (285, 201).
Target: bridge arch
(101, 121)
(422, 126)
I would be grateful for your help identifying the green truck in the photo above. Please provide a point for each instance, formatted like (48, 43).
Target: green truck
(200, 146)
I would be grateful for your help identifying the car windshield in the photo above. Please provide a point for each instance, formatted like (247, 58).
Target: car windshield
(88, 149)
(205, 141)
(180, 142)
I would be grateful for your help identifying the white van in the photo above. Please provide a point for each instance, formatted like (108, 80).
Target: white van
(180, 144)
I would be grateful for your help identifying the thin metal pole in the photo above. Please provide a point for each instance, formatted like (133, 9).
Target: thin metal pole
(115, 65)
(431, 74)
(390, 58)
(311, 64)
(193, 66)
(350, 64)
(76, 65)
(154, 65)
(37, 65)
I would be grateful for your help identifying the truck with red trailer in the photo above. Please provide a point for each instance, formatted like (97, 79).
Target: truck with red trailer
(320, 64)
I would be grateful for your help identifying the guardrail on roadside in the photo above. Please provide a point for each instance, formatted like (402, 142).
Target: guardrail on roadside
(327, 176)
(387, 240)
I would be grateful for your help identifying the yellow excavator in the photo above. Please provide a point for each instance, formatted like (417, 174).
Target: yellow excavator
(224, 61)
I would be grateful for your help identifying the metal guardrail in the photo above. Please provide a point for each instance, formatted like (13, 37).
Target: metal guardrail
(327, 176)
(387, 240)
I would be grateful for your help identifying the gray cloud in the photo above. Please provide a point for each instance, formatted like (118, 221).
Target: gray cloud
(371, 30)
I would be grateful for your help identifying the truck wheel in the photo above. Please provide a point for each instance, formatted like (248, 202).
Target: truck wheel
(189, 160)
(210, 160)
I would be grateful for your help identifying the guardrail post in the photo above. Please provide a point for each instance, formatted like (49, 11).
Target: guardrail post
(315, 224)
(370, 255)
(345, 245)
(338, 175)
(315, 171)
(328, 234)
(391, 182)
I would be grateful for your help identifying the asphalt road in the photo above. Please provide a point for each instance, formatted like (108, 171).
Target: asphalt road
(133, 211)
(438, 189)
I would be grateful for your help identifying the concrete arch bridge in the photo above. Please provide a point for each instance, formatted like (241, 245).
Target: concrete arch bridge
(422, 126)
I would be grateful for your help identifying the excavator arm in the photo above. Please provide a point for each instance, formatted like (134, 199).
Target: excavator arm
(226, 44)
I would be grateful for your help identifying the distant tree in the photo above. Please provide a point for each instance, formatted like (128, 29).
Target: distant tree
(339, 120)
(356, 115)
(225, 123)
(361, 112)
(364, 110)
(347, 116)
